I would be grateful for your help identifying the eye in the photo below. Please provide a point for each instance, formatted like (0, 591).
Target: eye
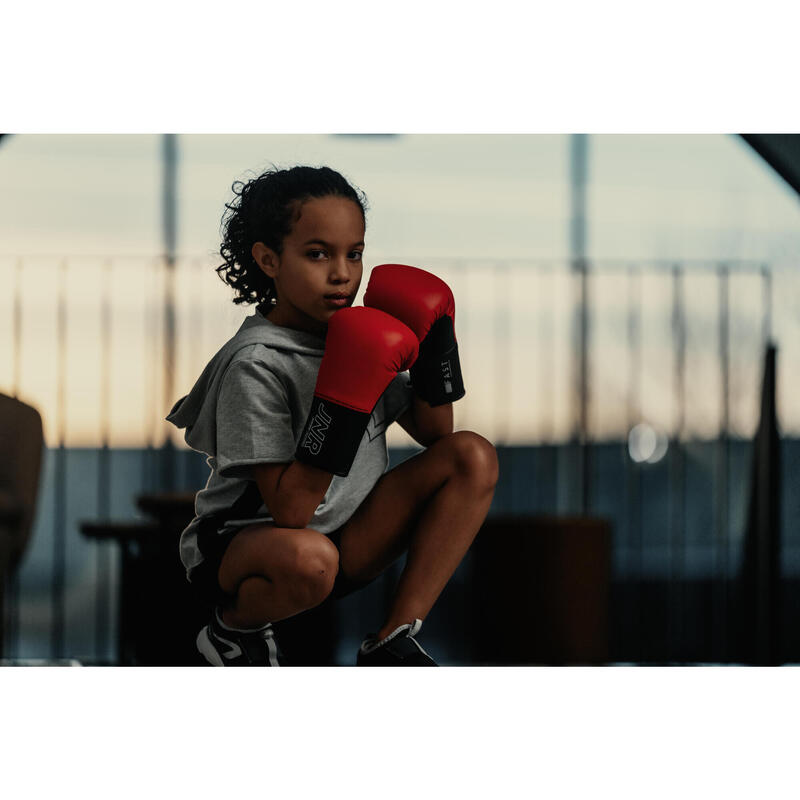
(356, 255)
(313, 254)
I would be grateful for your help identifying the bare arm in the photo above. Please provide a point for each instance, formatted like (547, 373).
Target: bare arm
(292, 491)
(424, 423)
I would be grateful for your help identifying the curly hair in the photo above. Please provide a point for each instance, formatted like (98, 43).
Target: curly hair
(264, 210)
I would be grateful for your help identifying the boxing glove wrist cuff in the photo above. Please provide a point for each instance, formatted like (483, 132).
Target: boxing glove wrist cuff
(436, 374)
(331, 436)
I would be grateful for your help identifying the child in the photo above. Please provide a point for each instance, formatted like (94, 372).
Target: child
(292, 413)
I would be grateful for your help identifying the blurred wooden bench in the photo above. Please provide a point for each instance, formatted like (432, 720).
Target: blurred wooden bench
(160, 617)
(541, 590)
(158, 614)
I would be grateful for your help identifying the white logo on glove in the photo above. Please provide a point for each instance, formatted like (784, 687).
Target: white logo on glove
(447, 374)
(319, 424)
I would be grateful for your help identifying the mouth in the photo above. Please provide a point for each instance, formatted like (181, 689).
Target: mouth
(338, 300)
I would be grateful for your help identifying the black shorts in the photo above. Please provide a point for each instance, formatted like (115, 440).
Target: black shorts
(213, 538)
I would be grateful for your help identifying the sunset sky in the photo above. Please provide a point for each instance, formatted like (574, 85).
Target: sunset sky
(489, 213)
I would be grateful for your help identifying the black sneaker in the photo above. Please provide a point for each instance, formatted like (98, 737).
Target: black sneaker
(398, 649)
(223, 647)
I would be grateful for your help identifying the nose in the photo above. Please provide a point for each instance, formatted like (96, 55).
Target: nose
(340, 270)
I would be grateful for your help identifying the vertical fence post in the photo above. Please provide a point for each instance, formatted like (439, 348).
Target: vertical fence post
(585, 464)
(633, 483)
(766, 322)
(18, 329)
(151, 383)
(677, 472)
(197, 352)
(12, 589)
(547, 456)
(170, 150)
(722, 616)
(578, 247)
(167, 472)
(58, 596)
(502, 389)
(102, 625)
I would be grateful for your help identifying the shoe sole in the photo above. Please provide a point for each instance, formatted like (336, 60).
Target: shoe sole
(207, 650)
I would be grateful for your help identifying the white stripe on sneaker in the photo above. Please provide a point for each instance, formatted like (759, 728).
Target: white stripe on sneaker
(273, 652)
(235, 650)
(371, 643)
(207, 650)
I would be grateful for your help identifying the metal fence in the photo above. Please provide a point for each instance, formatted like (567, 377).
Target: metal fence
(624, 389)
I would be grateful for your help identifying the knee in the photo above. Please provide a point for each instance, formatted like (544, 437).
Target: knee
(475, 457)
(315, 564)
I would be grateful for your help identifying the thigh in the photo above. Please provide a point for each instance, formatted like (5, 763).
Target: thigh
(378, 533)
(276, 554)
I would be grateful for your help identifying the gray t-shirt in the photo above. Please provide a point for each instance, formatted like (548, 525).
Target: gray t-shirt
(250, 406)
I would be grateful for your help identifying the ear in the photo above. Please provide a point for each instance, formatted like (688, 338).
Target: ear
(267, 259)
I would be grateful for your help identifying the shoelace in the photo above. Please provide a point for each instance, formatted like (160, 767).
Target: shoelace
(412, 629)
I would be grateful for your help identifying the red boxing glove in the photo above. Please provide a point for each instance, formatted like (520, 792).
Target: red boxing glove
(424, 303)
(364, 349)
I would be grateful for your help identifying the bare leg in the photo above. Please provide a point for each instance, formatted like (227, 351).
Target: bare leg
(275, 573)
(442, 537)
(432, 505)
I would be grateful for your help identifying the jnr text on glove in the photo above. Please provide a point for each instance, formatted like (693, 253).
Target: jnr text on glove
(364, 350)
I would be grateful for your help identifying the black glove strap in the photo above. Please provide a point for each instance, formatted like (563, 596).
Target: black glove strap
(331, 436)
(436, 374)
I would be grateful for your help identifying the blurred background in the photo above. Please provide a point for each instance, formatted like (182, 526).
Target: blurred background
(617, 297)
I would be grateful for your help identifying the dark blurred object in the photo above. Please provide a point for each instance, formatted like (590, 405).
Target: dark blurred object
(760, 579)
(160, 615)
(781, 151)
(310, 639)
(21, 446)
(173, 509)
(541, 587)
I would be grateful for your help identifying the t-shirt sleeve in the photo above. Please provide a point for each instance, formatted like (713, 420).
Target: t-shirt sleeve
(397, 397)
(254, 420)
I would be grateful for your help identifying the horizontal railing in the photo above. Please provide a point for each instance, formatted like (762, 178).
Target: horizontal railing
(652, 367)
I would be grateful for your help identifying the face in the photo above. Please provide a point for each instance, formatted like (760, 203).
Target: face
(321, 257)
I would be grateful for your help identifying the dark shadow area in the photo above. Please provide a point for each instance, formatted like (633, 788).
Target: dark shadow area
(670, 571)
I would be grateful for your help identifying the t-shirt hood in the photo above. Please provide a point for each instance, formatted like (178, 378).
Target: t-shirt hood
(200, 405)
